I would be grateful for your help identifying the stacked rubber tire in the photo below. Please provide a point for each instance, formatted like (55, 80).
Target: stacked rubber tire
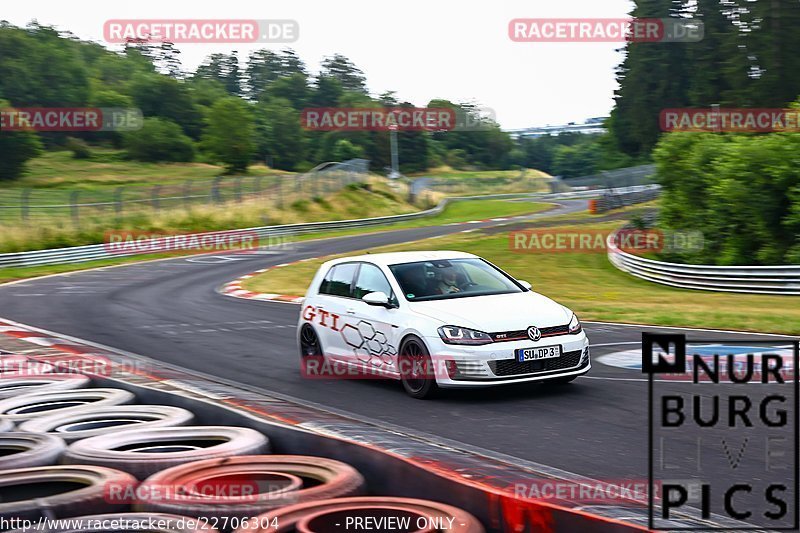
(68, 450)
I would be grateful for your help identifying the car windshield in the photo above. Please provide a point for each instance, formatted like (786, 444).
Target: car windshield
(453, 278)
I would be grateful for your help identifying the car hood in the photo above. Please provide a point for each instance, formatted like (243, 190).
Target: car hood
(499, 312)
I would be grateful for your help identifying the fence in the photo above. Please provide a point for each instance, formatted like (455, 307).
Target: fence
(504, 181)
(621, 197)
(94, 252)
(742, 279)
(23, 206)
(621, 177)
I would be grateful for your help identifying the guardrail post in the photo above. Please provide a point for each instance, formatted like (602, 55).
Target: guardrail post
(154, 197)
(73, 204)
(118, 203)
(215, 196)
(24, 204)
(237, 188)
(187, 194)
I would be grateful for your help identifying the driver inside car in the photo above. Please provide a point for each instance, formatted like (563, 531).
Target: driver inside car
(448, 282)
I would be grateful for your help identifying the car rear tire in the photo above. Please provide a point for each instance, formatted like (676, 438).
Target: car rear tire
(311, 354)
(416, 369)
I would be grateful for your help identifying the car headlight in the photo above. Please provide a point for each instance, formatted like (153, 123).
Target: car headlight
(574, 324)
(457, 335)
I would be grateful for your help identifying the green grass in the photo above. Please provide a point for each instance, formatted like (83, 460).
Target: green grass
(109, 168)
(352, 198)
(461, 211)
(589, 284)
(449, 173)
(349, 202)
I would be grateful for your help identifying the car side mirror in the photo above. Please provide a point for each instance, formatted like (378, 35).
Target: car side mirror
(377, 298)
(525, 284)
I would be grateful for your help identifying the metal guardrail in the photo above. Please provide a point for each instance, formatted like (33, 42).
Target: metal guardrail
(94, 252)
(741, 279)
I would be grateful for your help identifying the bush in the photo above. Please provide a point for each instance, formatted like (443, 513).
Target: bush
(741, 191)
(78, 147)
(229, 134)
(16, 147)
(159, 140)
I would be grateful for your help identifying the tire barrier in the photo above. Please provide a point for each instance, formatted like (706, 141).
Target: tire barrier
(405, 514)
(87, 423)
(38, 404)
(137, 522)
(59, 491)
(24, 384)
(143, 452)
(273, 481)
(25, 450)
(11, 364)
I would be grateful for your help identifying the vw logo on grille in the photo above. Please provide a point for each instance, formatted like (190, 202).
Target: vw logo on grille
(534, 334)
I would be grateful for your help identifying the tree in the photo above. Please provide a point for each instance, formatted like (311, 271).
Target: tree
(16, 148)
(264, 67)
(294, 89)
(225, 69)
(574, 161)
(158, 140)
(38, 68)
(326, 92)
(167, 60)
(342, 69)
(738, 190)
(345, 150)
(229, 134)
(161, 96)
(280, 137)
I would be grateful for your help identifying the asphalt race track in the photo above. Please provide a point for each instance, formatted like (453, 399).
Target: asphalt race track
(170, 310)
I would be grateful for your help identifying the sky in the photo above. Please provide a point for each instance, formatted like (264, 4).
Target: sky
(421, 49)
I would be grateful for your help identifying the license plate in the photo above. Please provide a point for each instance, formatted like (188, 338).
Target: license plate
(535, 354)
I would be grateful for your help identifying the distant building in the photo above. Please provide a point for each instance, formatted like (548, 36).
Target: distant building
(589, 126)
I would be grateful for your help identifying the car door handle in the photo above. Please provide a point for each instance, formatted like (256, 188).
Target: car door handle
(351, 311)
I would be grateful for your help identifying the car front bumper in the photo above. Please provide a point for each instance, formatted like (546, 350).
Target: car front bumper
(496, 364)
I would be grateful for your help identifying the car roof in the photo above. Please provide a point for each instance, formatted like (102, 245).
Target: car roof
(394, 258)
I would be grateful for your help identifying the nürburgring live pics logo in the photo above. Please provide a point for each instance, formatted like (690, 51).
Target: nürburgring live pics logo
(723, 433)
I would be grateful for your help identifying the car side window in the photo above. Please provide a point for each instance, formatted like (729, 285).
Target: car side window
(371, 279)
(339, 280)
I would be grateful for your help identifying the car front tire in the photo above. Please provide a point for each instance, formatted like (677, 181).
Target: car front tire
(416, 369)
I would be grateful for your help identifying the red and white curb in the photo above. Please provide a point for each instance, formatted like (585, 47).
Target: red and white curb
(234, 288)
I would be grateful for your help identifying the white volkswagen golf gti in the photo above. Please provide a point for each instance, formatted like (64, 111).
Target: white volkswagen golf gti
(435, 319)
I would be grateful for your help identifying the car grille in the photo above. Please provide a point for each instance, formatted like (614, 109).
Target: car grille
(502, 336)
(512, 367)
